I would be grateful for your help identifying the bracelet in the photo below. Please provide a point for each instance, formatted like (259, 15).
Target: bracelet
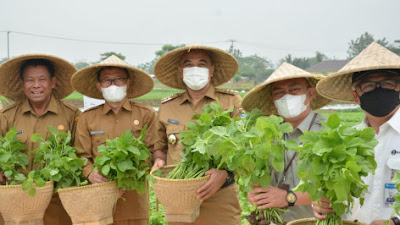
(396, 220)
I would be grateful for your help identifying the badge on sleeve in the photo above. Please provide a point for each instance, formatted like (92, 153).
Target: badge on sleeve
(136, 122)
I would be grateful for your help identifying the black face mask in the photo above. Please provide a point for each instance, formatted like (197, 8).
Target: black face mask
(380, 102)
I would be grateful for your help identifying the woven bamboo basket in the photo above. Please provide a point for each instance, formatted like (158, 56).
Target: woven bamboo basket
(90, 204)
(178, 196)
(312, 221)
(19, 208)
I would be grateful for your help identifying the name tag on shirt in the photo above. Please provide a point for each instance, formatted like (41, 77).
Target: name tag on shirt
(94, 132)
(19, 131)
(173, 121)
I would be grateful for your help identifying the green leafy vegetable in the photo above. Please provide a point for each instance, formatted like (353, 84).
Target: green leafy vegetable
(332, 162)
(125, 159)
(198, 155)
(13, 157)
(56, 161)
(250, 147)
(396, 204)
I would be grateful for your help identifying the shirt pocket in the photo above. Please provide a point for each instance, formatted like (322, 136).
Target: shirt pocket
(23, 137)
(97, 140)
(174, 146)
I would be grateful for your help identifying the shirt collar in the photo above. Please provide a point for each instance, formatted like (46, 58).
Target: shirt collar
(210, 93)
(126, 106)
(393, 122)
(51, 107)
(305, 124)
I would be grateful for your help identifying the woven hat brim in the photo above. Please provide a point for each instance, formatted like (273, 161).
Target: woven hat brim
(166, 68)
(338, 86)
(84, 81)
(10, 81)
(259, 97)
(374, 57)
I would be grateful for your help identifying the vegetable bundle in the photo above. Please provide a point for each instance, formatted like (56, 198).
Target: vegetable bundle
(250, 147)
(126, 160)
(13, 157)
(55, 160)
(197, 156)
(332, 162)
(396, 204)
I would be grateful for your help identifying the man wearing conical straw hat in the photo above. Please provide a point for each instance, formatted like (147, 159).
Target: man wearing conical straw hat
(116, 82)
(289, 92)
(372, 80)
(197, 69)
(37, 83)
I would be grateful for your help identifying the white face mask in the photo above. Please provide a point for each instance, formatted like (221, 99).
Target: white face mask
(290, 106)
(195, 78)
(114, 93)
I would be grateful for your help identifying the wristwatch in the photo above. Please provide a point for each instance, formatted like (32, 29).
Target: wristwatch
(291, 197)
(396, 220)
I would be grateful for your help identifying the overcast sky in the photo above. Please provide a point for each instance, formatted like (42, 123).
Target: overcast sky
(271, 29)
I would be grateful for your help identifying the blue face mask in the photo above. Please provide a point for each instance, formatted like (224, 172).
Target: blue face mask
(380, 101)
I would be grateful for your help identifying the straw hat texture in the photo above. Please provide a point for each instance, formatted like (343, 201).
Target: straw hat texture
(259, 96)
(166, 68)
(84, 81)
(338, 86)
(10, 80)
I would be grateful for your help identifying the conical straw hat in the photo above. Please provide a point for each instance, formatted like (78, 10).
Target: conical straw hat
(10, 80)
(259, 96)
(338, 86)
(166, 68)
(84, 81)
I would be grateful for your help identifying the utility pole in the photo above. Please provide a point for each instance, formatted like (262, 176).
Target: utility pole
(231, 47)
(232, 40)
(8, 44)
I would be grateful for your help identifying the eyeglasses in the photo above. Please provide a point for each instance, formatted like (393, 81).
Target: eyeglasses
(117, 81)
(368, 86)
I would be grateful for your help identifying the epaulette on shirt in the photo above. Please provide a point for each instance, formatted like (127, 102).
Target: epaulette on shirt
(69, 105)
(169, 98)
(9, 107)
(227, 91)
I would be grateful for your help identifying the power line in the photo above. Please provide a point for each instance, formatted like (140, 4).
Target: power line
(101, 42)
(83, 40)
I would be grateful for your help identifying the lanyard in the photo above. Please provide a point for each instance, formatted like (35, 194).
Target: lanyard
(295, 154)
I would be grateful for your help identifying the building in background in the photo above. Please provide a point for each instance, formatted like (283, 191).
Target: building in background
(327, 67)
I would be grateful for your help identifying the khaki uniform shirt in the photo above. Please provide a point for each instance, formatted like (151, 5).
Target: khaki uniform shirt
(177, 110)
(223, 207)
(291, 178)
(101, 122)
(58, 114)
